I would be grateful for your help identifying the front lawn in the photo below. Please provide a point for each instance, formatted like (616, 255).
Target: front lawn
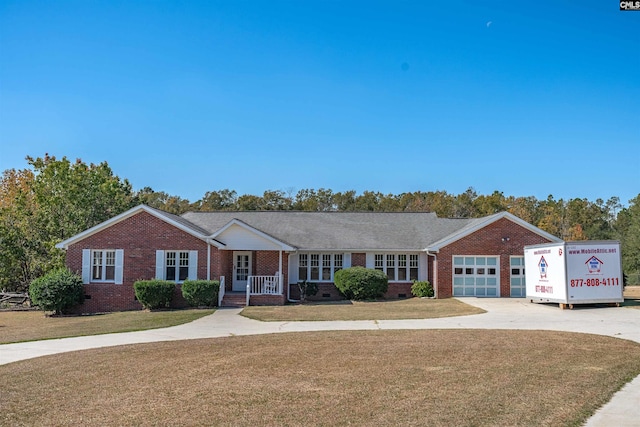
(17, 326)
(413, 308)
(358, 378)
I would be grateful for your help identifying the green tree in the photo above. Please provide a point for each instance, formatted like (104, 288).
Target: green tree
(276, 200)
(489, 205)
(464, 205)
(20, 249)
(345, 202)
(221, 200)
(311, 200)
(552, 213)
(249, 202)
(50, 202)
(628, 230)
(163, 201)
(368, 201)
(72, 197)
(526, 208)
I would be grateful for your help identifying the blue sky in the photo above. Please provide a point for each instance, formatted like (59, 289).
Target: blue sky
(527, 98)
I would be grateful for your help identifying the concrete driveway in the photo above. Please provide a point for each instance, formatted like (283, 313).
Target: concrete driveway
(502, 313)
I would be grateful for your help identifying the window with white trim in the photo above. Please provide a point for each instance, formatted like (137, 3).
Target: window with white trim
(318, 267)
(103, 266)
(398, 267)
(176, 266)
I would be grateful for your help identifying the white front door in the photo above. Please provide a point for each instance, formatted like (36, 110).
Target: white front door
(241, 270)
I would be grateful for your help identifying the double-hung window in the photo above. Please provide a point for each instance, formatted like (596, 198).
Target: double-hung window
(398, 267)
(176, 266)
(103, 266)
(319, 267)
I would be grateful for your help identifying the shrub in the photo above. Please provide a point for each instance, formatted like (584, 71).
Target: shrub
(307, 289)
(57, 291)
(154, 294)
(201, 293)
(422, 289)
(361, 283)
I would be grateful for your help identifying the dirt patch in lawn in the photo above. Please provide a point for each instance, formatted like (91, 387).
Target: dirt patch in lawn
(363, 378)
(17, 326)
(413, 308)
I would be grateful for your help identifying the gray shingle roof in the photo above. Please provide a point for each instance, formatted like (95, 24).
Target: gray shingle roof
(340, 230)
(182, 221)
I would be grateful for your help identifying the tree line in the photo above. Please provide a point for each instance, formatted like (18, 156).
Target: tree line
(53, 199)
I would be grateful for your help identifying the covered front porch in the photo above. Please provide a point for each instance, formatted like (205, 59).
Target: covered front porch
(258, 290)
(251, 263)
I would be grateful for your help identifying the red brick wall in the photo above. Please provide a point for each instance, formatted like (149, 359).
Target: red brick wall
(267, 300)
(332, 294)
(227, 269)
(139, 236)
(266, 263)
(323, 289)
(487, 241)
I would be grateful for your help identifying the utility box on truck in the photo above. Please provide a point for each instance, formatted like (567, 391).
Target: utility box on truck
(571, 273)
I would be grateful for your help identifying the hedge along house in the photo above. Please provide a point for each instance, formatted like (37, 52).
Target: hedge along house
(261, 256)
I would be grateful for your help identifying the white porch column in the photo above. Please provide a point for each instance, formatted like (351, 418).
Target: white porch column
(280, 270)
(208, 261)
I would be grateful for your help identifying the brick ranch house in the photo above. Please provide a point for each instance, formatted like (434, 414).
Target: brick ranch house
(264, 254)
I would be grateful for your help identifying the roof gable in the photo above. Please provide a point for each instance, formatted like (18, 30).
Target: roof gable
(239, 235)
(171, 219)
(479, 223)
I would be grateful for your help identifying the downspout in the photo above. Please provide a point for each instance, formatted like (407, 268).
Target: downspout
(435, 273)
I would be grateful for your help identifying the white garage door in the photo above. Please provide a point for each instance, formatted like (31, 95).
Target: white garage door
(518, 286)
(476, 276)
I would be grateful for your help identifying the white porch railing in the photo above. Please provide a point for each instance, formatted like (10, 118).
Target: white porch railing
(264, 285)
(221, 291)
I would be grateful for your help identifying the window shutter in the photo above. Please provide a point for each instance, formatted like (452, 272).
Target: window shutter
(293, 268)
(370, 260)
(119, 266)
(160, 265)
(346, 260)
(193, 265)
(423, 271)
(86, 266)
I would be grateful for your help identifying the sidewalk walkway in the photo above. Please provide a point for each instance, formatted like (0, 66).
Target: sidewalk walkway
(502, 313)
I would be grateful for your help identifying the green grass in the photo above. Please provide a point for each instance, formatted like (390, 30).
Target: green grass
(436, 378)
(19, 326)
(413, 308)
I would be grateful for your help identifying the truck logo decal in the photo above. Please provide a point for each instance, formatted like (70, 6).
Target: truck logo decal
(594, 265)
(542, 266)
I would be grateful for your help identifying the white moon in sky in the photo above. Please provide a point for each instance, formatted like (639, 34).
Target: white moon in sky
(489, 24)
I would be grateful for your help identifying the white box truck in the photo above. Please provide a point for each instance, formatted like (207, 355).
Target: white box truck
(571, 273)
